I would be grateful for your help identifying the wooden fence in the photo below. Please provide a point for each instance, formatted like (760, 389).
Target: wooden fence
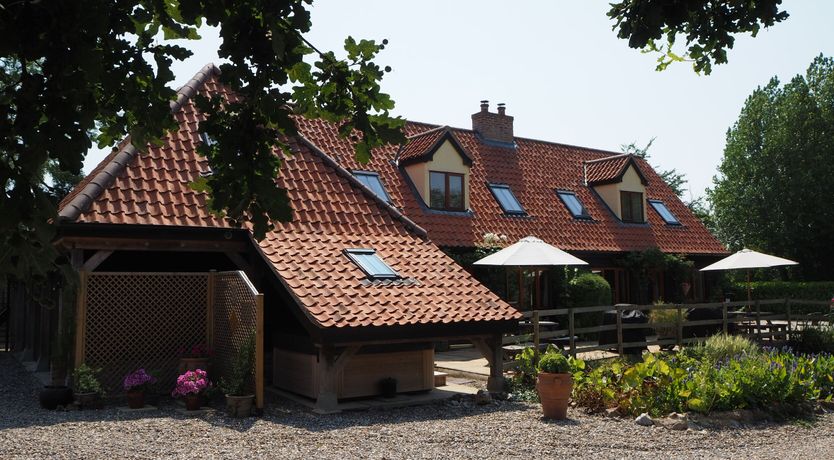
(761, 319)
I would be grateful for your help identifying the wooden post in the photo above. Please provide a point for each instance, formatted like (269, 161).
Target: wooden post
(680, 327)
(327, 400)
(758, 320)
(495, 382)
(619, 329)
(81, 318)
(259, 351)
(535, 321)
(571, 334)
(210, 308)
(788, 316)
(724, 317)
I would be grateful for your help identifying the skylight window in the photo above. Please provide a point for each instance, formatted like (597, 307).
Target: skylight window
(371, 264)
(509, 203)
(372, 181)
(573, 204)
(664, 212)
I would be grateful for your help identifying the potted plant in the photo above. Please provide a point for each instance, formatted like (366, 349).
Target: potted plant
(136, 384)
(190, 386)
(87, 387)
(194, 357)
(237, 385)
(554, 384)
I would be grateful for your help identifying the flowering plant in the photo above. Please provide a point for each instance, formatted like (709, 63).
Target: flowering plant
(199, 350)
(138, 380)
(191, 383)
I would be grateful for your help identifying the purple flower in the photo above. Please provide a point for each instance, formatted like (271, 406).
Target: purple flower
(138, 379)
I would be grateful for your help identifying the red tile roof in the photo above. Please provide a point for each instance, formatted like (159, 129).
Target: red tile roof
(533, 170)
(332, 211)
(609, 170)
(421, 147)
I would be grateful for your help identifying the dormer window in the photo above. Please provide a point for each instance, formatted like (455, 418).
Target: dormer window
(574, 205)
(370, 263)
(505, 197)
(664, 212)
(446, 191)
(631, 207)
(372, 181)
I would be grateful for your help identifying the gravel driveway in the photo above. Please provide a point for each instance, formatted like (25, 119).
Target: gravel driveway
(499, 430)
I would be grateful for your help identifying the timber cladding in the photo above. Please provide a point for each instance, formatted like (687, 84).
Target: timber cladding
(134, 320)
(361, 375)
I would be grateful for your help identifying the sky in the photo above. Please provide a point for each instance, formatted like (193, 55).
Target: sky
(561, 70)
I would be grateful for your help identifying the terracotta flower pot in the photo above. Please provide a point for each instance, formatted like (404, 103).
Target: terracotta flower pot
(554, 393)
(135, 399)
(239, 406)
(88, 400)
(193, 402)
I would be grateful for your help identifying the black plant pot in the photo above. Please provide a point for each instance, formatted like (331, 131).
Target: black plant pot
(53, 396)
(388, 387)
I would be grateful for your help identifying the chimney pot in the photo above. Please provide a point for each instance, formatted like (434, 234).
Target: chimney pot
(485, 106)
(502, 109)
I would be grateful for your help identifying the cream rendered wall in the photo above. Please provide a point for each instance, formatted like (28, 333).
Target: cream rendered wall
(610, 193)
(446, 159)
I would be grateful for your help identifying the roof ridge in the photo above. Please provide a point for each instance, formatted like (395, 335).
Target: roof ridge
(613, 157)
(108, 172)
(429, 131)
(410, 225)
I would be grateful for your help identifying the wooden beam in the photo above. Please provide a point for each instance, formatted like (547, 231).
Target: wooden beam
(242, 264)
(259, 352)
(423, 339)
(344, 357)
(148, 244)
(93, 262)
(81, 318)
(485, 349)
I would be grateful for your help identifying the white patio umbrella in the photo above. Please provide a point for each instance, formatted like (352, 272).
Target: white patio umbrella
(747, 259)
(530, 252)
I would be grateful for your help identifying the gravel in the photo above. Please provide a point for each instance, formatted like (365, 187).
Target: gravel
(454, 429)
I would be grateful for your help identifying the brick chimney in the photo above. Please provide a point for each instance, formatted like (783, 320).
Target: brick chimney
(493, 126)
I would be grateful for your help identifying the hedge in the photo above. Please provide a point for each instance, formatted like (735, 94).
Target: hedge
(589, 290)
(802, 290)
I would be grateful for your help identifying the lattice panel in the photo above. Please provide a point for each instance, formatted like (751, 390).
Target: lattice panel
(142, 320)
(235, 318)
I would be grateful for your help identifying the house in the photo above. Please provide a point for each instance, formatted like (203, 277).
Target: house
(462, 184)
(354, 292)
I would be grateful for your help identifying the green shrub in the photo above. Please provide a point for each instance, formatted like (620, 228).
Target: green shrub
(818, 339)
(237, 383)
(660, 384)
(85, 379)
(721, 347)
(668, 319)
(554, 362)
(588, 290)
(763, 290)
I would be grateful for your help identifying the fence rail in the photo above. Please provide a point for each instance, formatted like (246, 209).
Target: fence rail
(772, 319)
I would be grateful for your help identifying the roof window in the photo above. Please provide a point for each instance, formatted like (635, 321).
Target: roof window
(372, 181)
(371, 264)
(509, 203)
(664, 212)
(573, 204)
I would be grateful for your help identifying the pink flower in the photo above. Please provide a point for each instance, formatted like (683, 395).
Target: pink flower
(138, 379)
(191, 382)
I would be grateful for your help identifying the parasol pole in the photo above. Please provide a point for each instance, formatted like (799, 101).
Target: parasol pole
(749, 295)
